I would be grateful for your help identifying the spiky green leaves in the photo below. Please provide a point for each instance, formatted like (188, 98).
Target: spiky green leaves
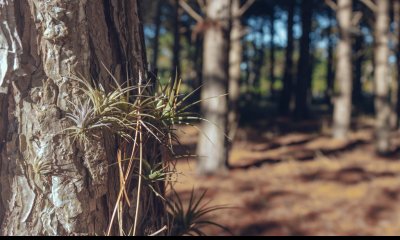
(120, 112)
(100, 111)
(190, 220)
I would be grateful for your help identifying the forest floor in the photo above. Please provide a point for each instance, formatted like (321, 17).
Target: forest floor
(293, 179)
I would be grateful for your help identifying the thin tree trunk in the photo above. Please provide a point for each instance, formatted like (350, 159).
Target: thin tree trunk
(289, 68)
(176, 68)
(342, 108)
(394, 118)
(211, 148)
(304, 66)
(157, 25)
(397, 36)
(358, 63)
(198, 61)
(272, 54)
(381, 52)
(235, 60)
(51, 185)
(330, 75)
(259, 59)
(247, 81)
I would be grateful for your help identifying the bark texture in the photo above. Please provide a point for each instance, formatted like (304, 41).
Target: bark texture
(212, 149)
(342, 110)
(49, 184)
(381, 52)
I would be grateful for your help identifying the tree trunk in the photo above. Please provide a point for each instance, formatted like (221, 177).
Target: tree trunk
(330, 73)
(397, 41)
(212, 149)
(272, 54)
(157, 25)
(304, 65)
(198, 64)
(381, 53)
(259, 59)
(51, 185)
(342, 109)
(176, 68)
(358, 63)
(235, 60)
(289, 68)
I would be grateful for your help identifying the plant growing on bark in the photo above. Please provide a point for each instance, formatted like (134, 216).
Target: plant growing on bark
(136, 117)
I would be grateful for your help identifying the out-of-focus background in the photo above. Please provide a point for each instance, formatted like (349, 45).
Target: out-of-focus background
(306, 142)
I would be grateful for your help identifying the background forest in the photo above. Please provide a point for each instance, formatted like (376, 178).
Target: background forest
(199, 117)
(311, 112)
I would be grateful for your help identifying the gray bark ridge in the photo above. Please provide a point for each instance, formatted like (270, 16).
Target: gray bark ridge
(10, 46)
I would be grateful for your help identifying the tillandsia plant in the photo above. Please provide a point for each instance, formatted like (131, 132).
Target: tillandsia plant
(135, 117)
(190, 220)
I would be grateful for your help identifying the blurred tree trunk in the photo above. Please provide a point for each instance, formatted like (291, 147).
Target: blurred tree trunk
(235, 60)
(342, 104)
(358, 63)
(330, 73)
(156, 40)
(49, 184)
(304, 65)
(397, 41)
(289, 68)
(381, 53)
(198, 61)
(247, 82)
(212, 147)
(176, 67)
(272, 54)
(259, 59)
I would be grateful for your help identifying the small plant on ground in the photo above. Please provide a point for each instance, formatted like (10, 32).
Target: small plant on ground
(191, 220)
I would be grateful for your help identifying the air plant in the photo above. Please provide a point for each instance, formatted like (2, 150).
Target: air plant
(100, 110)
(191, 220)
(134, 116)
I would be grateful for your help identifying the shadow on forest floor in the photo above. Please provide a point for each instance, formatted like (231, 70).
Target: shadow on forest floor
(299, 182)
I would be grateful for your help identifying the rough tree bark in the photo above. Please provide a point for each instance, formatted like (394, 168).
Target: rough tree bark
(211, 148)
(51, 185)
(289, 74)
(342, 108)
(304, 65)
(381, 55)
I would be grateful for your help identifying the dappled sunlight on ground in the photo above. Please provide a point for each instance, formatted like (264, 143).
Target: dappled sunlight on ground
(302, 183)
